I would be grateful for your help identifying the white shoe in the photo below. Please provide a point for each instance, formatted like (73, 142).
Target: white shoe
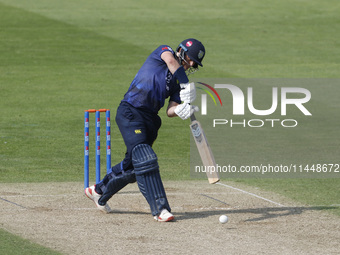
(164, 216)
(91, 193)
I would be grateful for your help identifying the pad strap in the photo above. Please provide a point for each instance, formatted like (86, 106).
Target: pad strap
(115, 183)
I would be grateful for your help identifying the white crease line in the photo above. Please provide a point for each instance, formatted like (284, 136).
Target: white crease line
(251, 194)
(170, 193)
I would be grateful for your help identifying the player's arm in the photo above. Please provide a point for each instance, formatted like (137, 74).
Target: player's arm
(170, 61)
(188, 92)
(170, 111)
(175, 68)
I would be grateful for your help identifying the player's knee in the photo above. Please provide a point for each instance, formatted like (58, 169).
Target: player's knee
(144, 159)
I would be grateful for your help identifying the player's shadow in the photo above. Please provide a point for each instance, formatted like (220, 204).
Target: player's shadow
(117, 211)
(259, 213)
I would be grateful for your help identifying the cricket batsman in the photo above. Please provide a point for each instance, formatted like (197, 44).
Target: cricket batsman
(162, 76)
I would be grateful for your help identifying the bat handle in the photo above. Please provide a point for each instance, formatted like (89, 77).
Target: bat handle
(192, 117)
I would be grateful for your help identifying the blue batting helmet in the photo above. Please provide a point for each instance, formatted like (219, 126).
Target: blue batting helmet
(194, 49)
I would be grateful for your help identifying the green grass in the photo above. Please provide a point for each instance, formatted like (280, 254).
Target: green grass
(14, 245)
(58, 58)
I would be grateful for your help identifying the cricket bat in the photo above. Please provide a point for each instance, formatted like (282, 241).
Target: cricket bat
(204, 150)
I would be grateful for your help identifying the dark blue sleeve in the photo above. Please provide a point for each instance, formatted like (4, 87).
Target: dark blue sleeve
(164, 48)
(181, 76)
(175, 97)
(175, 91)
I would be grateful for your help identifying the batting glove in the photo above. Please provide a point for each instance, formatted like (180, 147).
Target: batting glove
(185, 110)
(188, 92)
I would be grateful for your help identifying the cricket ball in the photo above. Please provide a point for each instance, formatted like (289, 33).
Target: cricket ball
(223, 219)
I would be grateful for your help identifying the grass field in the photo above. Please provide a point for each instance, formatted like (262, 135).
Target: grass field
(14, 245)
(58, 58)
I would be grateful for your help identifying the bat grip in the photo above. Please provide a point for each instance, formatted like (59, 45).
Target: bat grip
(192, 117)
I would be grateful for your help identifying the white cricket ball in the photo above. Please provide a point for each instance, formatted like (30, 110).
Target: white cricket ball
(223, 219)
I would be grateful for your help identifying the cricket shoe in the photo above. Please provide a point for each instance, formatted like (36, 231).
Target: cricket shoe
(91, 193)
(164, 216)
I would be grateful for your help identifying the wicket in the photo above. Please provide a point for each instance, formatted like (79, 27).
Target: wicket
(87, 144)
